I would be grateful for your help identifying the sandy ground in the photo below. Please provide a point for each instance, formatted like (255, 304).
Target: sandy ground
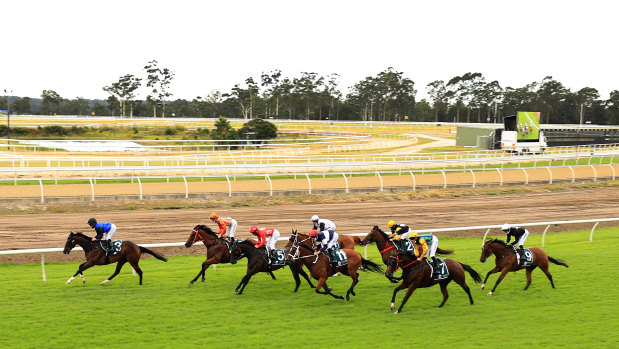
(153, 226)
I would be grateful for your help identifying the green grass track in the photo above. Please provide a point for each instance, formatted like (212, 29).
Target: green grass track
(166, 312)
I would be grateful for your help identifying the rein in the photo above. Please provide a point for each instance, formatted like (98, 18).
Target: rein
(198, 238)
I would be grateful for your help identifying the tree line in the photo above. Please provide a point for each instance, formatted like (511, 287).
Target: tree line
(387, 96)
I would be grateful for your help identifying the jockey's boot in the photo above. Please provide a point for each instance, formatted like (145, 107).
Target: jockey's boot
(435, 264)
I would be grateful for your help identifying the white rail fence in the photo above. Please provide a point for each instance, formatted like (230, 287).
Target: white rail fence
(596, 222)
(379, 185)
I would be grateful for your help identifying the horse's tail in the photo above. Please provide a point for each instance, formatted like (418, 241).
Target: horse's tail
(357, 240)
(153, 253)
(371, 266)
(558, 261)
(441, 251)
(475, 275)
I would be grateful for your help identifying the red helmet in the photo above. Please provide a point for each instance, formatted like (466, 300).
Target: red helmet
(253, 229)
(313, 232)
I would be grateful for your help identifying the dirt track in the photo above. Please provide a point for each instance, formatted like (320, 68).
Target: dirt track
(152, 226)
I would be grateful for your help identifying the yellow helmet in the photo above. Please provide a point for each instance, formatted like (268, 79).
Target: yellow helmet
(414, 235)
(391, 223)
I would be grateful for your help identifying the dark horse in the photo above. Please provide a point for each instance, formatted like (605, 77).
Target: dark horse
(257, 262)
(217, 250)
(506, 261)
(321, 269)
(417, 274)
(385, 246)
(95, 255)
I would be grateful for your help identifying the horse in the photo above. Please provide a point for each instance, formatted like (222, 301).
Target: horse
(257, 262)
(418, 274)
(217, 250)
(348, 241)
(321, 269)
(506, 261)
(385, 246)
(95, 255)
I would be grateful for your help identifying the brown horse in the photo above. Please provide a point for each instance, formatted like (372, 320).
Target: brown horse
(506, 261)
(385, 246)
(348, 241)
(95, 255)
(257, 263)
(217, 250)
(321, 269)
(418, 274)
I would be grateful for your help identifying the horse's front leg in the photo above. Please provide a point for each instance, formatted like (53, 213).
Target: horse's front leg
(444, 292)
(410, 291)
(355, 280)
(494, 270)
(80, 271)
(498, 281)
(119, 266)
(395, 291)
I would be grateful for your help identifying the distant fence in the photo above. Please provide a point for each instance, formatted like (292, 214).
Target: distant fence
(596, 222)
(306, 183)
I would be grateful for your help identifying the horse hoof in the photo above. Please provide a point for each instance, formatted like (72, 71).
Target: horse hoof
(489, 294)
(483, 286)
(396, 312)
(190, 283)
(68, 282)
(392, 307)
(83, 281)
(236, 291)
(104, 282)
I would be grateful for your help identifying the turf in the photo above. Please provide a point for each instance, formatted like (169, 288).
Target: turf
(166, 312)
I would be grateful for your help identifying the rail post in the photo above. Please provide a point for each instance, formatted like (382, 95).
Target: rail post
(526, 176)
(42, 194)
(345, 182)
(414, 183)
(613, 169)
(43, 267)
(444, 179)
(592, 229)
(229, 187)
(92, 190)
(266, 176)
(544, 235)
(473, 174)
(381, 180)
(309, 184)
(500, 177)
(483, 241)
(186, 188)
(573, 174)
(595, 173)
(140, 184)
(549, 174)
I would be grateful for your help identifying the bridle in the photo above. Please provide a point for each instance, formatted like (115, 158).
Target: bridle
(197, 237)
(296, 255)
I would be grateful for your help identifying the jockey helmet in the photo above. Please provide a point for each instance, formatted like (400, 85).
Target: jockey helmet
(414, 235)
(391, 223)
(213, 216)
(313, 232)
(253, 229)
(92, 222)
(506, 227)
(315, 218)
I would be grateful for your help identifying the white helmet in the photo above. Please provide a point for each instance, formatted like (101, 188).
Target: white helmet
(506, 227)
(315, 218)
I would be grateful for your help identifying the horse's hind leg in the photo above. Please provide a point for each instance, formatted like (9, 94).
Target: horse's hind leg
(494, 270)
(355, 280)
(119, 266)
(545, 270)
(306, 277)
(445, 294)
(529, 270)
(136, 267)
(406, 296)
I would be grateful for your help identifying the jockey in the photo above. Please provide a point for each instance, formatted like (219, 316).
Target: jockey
(227, 226)
(424, 240)
(520, 236)
(399, 234)
(262, 234)
(326, 239)
(104, 230)
(321, 224)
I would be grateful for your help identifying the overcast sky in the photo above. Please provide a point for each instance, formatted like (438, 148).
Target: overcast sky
(77, 47)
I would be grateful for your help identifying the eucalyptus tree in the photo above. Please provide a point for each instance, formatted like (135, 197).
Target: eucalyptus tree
(437, 92)
(78, 106)
(466, 91)
(333, 93)
(586, 97)
(50, 101)
(244, 97)
(158, 80)
(519, 99)
(489, 96)
(271, 82)
(612, 107)
(307, 87)
(551, 94)
(124, 91)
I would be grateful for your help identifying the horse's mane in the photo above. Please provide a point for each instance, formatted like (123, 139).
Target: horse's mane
(82, 236)
(381, 232)
(206, 229)
(500, 242)
(306, 246)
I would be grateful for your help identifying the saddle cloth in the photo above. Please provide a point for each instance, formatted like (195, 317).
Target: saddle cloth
(116, 245)
(278, 257)
(441, 272)
(337, 256)
(527, 259)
